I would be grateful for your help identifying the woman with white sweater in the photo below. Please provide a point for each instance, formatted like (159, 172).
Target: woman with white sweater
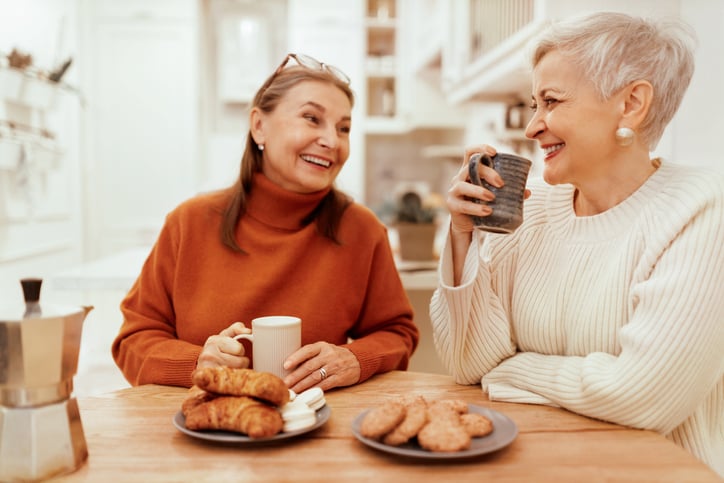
(609, 299)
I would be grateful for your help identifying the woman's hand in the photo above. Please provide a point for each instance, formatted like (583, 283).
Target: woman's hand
(458, 200)
(321, 364)
(461, 207)
(224, 350)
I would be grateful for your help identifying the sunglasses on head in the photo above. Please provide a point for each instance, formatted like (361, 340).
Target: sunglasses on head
(312, 64)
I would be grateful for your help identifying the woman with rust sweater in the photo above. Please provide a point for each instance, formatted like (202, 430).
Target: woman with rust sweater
(282, 240)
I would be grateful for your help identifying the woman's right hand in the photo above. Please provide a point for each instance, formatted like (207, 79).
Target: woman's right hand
(224, 350)
(458, 201)
(461, 207)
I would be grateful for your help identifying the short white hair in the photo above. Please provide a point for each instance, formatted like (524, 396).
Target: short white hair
(615, 49)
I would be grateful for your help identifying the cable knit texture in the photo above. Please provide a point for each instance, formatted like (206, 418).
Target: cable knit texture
(618, 316)
(192, 286)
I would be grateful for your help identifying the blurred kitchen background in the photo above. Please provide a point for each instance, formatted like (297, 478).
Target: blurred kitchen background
(114, 111)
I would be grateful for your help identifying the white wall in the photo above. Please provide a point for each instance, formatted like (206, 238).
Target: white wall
(41, 221)
(331, 31)
(699, 125)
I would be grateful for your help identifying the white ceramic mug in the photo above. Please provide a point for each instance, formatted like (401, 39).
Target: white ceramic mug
(274, 338)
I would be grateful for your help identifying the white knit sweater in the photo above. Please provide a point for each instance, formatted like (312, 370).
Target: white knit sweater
(618, 316)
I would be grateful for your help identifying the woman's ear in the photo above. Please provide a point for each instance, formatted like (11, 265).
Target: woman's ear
(256, 125)
(637, 102)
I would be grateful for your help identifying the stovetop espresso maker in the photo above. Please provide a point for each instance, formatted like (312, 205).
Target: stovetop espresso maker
(41, 434)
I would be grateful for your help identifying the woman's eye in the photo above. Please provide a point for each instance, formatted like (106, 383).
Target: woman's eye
(311, 118)
(345, 129)
(547, 102)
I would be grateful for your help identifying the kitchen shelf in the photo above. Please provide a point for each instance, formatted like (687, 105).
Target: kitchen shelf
(28, 88)
(381, 67)
(380, 25)
(512, 135)
(501, 74)
(385, 125)
(443, 151)
(381, 11)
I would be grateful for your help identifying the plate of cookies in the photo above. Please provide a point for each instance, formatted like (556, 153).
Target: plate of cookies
(245, 406)
(445, 429)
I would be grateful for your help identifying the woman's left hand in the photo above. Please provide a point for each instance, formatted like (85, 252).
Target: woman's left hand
(323, 365)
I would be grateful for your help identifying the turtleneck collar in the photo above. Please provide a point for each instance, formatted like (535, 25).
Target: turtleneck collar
(277, 207)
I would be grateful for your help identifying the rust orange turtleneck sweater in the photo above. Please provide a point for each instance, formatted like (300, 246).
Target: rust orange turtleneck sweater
(192, 286)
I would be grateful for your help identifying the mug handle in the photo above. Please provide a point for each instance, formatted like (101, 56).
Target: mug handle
(473, 167)
(249, 337)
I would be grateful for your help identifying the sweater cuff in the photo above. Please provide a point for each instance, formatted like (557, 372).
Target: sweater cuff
(507, 393)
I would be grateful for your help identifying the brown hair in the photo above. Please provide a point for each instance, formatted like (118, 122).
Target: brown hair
(329, 211)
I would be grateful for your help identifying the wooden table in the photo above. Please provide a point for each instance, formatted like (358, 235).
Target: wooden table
(131, 437)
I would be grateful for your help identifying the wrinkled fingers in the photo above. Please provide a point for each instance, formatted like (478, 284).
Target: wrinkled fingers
(222, 350)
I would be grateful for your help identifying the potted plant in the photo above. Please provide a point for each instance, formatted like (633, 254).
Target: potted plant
(415, 221)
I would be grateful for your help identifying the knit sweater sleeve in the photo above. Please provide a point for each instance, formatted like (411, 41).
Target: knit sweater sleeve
(471, 331)
(385, 335)
(147, 348)
(671, 349)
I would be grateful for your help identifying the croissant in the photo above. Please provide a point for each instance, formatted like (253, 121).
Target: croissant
(240, 414)
(194, 397)
(242, 382)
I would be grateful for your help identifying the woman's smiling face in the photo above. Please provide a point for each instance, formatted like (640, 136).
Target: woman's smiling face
(306, 137)
(572, 124)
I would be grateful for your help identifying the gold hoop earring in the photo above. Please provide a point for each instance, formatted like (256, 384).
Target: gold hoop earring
(624, 136)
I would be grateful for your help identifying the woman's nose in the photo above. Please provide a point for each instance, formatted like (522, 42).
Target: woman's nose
(535, 126)
(328, 138)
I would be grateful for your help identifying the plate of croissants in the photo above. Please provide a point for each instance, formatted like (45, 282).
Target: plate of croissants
(230, 405)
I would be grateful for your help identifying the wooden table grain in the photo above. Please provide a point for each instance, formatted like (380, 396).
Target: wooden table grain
(131, 437)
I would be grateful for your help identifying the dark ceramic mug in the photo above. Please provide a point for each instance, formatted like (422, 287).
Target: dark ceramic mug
(507, 206)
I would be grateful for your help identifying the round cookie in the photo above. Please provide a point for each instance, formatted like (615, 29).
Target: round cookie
(297, 415)
(440, 435)
(415, 419)
(382, 419)
(476, 424)
(457, 405)
(440, 411)
(313, 397)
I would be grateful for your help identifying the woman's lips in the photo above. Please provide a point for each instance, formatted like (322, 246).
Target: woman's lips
(316, 161)
(552, 150)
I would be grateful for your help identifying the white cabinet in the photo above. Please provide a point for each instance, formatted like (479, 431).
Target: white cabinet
(403, 46)
(422, 102)
(382, 66)
(143, 126)
(406, 111)
(332, 31)
(485, 56)
(135, 10)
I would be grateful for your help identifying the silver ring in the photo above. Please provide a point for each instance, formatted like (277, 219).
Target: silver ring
(323, 373)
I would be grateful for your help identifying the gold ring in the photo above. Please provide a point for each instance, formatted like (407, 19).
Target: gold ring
(323, 373)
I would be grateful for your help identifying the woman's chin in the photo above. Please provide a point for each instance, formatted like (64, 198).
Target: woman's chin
(549, 176)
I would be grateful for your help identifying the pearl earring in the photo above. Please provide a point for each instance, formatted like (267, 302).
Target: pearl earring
(624, 136)
(261, 147)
